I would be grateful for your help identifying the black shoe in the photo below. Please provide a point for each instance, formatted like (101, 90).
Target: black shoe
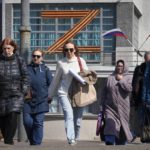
(109, 143)
(9, 142)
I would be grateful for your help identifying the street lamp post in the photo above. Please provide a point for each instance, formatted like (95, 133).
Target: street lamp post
(25, 30)
(25, 35)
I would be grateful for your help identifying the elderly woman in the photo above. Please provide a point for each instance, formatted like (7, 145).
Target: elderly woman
(116, 106)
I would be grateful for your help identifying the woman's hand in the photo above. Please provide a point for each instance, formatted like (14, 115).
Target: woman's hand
(49, 100)
(119, 77)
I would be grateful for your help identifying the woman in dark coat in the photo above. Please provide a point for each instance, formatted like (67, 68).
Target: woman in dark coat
(36, 107)
(13, 86)
(116, 106)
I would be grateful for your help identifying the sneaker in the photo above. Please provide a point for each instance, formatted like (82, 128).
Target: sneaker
(134, 138)
(72, 142)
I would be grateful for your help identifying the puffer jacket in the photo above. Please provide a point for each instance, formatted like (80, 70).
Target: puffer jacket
(13, 83)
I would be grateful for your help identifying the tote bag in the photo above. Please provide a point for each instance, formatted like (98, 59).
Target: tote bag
(81, 94)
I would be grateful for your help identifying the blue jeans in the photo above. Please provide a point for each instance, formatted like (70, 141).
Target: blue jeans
(113, 140)
(78, 113)
(73, 118)
(33, 124)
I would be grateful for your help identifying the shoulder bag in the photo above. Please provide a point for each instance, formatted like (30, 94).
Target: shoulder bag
(81, 94)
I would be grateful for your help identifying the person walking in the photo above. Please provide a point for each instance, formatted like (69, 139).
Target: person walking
(137, 81)
(61, 83)
(13, 86)
(116, 106)
(136, 99)
(145, 106)
(37, 105)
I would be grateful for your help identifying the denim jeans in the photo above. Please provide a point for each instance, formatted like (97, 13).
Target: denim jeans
(73, 118)
(78, 113)
(33, 124)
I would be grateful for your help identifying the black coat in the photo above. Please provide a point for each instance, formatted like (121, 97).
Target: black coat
(137, 83)
(13, 83)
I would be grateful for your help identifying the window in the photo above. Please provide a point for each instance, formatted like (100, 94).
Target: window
(45, 31)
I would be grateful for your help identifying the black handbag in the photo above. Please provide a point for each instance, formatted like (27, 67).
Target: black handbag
(145, 132)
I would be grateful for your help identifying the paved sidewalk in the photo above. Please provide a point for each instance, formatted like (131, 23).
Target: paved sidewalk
(81, 145)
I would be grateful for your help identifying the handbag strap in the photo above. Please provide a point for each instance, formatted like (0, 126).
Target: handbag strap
(80, 64)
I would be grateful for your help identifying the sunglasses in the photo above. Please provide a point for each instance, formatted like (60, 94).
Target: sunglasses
(69, 49)
(38, 56)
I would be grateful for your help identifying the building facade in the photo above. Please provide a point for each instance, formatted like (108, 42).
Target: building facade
(131, 16)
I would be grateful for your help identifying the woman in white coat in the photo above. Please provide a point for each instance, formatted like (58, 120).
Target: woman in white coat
(61, 83)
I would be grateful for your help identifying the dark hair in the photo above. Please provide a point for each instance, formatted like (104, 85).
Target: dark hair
(146, 54)
(8, 41)
(75, 46)
(39, 50)
(120, 61)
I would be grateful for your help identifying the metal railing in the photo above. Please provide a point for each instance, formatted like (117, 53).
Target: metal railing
(107, 58)
(130, 57)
